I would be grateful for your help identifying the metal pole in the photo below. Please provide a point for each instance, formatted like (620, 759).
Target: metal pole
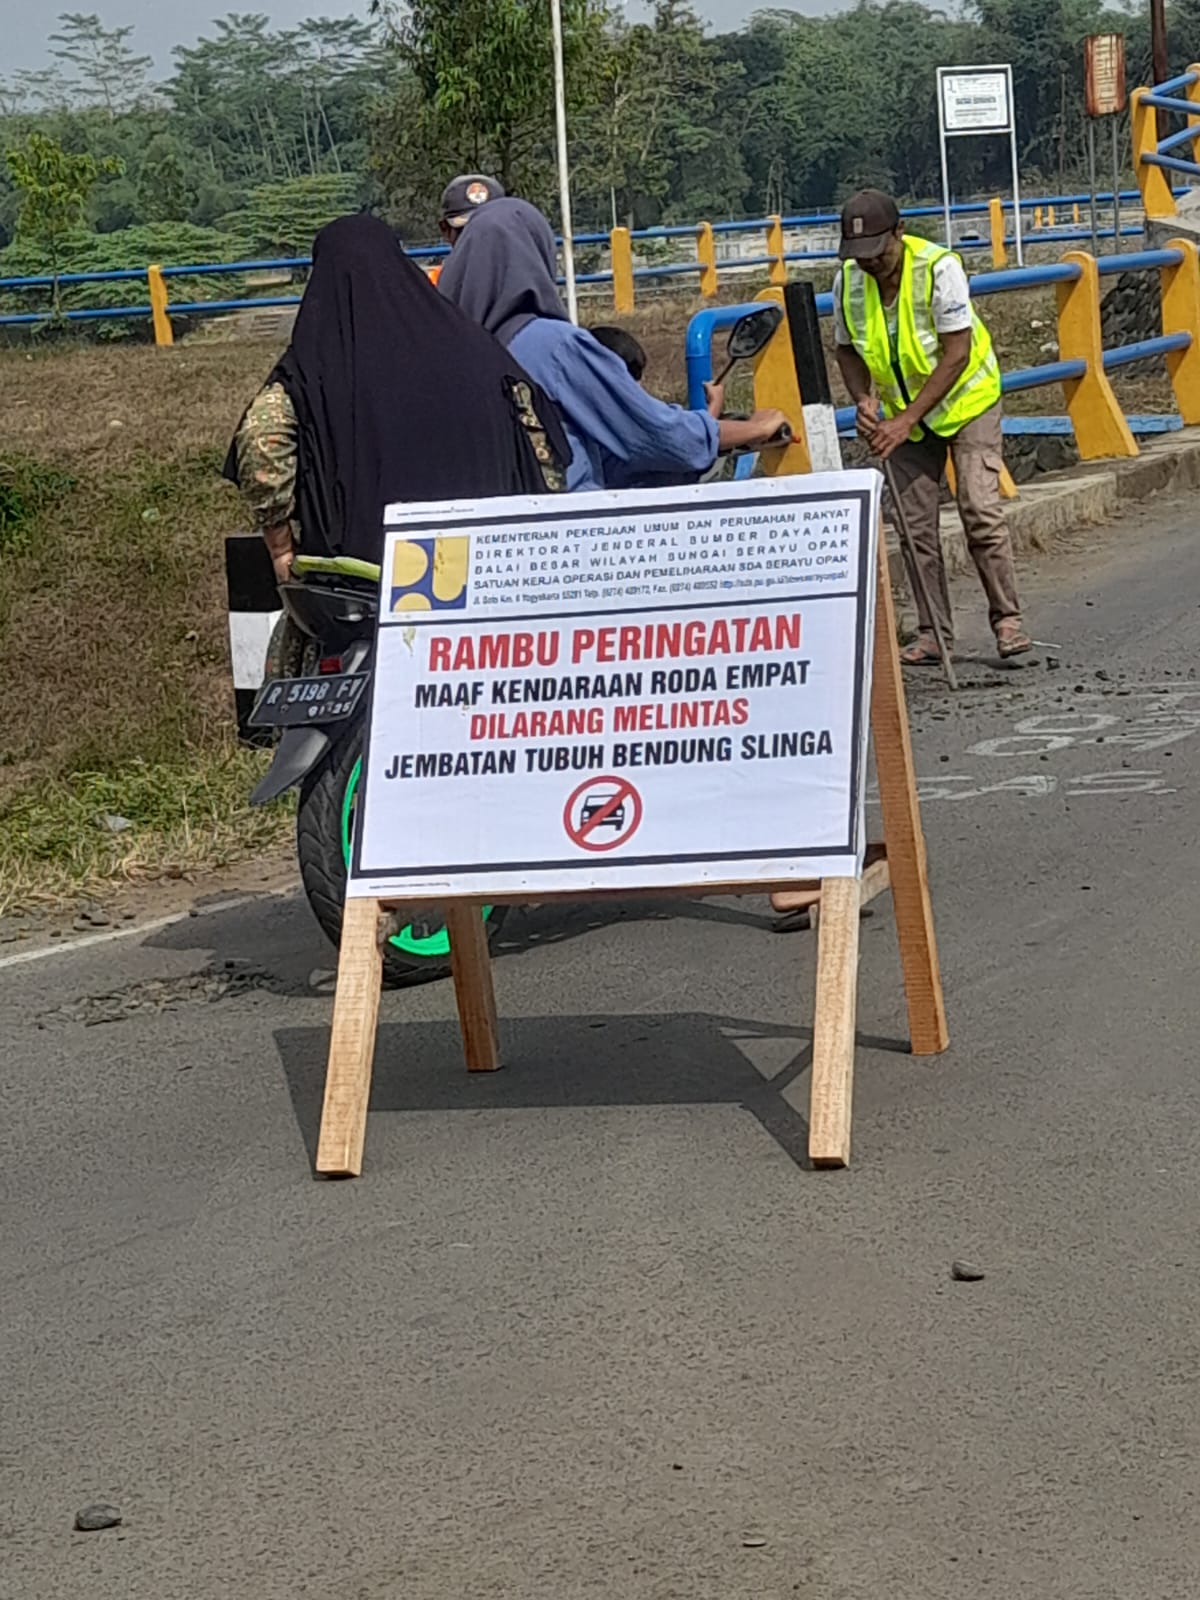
(1016, 176)
(945, 168)
(564, 171)
(1091, 127)
(1161, 70)
(1116, 155)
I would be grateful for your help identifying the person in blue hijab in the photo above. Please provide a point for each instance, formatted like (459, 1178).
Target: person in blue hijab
(502, 275)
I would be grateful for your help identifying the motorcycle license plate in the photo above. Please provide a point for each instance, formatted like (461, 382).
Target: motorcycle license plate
(304, 702)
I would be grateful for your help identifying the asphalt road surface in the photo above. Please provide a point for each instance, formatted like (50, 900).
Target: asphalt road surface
(592, 1327)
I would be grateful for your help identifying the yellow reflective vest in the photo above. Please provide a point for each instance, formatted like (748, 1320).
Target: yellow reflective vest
(899, 372)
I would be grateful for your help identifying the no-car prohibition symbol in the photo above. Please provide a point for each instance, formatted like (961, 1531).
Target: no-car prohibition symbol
(602, 813)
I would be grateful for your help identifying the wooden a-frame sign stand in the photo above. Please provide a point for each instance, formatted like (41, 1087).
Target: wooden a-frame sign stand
(897, 862)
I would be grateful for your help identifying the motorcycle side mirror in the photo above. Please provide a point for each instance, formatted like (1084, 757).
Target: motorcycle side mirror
(753, 332)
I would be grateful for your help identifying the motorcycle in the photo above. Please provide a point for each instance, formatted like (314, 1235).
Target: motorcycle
(314, 698)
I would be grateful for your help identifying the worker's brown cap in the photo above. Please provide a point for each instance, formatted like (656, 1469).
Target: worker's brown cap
(868, 218)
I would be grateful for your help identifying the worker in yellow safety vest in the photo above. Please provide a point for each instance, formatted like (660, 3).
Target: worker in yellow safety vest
(909, 339)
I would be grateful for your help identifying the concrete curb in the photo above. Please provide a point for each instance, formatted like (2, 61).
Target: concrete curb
(1052, 506)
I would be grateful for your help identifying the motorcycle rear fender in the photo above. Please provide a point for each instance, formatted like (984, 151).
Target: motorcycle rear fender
(301, 749)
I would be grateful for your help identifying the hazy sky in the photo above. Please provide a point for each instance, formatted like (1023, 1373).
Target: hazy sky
(159, 24)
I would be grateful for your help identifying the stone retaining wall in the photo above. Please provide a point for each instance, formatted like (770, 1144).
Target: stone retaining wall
(1132, 310)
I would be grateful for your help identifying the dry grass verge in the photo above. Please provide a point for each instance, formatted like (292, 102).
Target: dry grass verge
(112, 619)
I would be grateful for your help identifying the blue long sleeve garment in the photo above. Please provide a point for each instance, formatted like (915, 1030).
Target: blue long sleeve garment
(619, 435)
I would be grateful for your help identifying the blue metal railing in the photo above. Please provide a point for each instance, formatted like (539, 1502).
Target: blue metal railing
(1124, 355)
(1174, 164)
(206, 308)
(30, 319)
(210, 268)
(706, 324)
(1185, 80)
(702, 327)
(1164, 97)
(294, 264)
(126, 274)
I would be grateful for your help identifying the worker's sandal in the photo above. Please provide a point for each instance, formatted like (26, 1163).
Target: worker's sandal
(921, 652)
(1011, 638)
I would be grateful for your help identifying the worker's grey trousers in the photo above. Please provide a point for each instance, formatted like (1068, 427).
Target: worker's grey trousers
(919, 466)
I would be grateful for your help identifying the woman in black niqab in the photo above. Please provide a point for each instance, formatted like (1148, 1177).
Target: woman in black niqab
(398, 396)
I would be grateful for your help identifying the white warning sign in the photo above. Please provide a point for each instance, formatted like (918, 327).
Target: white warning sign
(631, 689)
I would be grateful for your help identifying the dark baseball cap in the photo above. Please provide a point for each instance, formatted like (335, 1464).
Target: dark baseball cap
(465, 195)
(867, 220)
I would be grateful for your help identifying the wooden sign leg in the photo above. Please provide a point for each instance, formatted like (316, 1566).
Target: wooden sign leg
(834, 1022)
(352, 1043)
(902, 832)
(474, 992)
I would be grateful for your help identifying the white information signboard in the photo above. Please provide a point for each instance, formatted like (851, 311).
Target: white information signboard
(621, 690)
(975, 101)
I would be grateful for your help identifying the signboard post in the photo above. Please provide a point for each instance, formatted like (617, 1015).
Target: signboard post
(1104, 83)
(663, 690)
(564, 168)
(972, 102)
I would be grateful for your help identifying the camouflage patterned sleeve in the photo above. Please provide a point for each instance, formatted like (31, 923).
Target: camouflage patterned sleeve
(553, 471)
(266, 457)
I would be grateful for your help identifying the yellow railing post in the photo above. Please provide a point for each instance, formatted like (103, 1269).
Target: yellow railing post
(777, 275)
(1157, 199)
(1099, 423)
(706, 255)
(163, 332)
(999, 246)
(1008, 489)
(621, 247)
(775, 384)
(1192, 93)
(1037, 217)
(1049, 216)
(1075, 213)
(1181, 314)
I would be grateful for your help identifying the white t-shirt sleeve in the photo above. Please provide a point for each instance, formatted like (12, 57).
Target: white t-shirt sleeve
(841, 334)
(951, 296)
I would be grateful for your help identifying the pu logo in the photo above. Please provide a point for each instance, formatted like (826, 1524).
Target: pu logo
(430, 574)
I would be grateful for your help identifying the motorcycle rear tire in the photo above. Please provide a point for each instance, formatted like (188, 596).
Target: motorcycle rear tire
(320, 847)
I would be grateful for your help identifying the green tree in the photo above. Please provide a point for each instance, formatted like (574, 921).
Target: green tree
(164, 193)
(54, 187)
(285, 217)
(325, 56)
(1043, 40)
(44, 89)
(657, 138)
(172, 243)
(280, 128)
(477, 91)
(253, 106)
(108, 73)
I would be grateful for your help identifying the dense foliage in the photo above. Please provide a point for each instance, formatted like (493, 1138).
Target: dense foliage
(258, 135)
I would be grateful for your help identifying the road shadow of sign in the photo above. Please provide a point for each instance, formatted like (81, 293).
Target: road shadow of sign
(684, 1059)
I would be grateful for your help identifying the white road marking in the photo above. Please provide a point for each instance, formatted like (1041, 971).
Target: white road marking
(1036, 786)
(89, 941)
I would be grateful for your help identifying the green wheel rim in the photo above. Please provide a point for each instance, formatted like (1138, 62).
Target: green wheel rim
(430, 945)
